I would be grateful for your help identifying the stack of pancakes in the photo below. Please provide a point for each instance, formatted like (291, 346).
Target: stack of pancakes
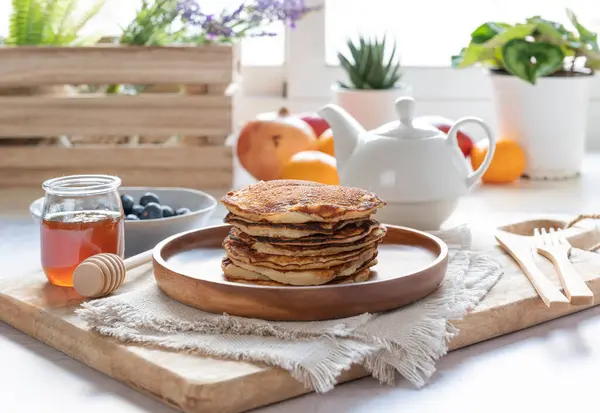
(298, 233)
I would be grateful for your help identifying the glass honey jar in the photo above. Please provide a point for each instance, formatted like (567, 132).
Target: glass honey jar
(82, 216)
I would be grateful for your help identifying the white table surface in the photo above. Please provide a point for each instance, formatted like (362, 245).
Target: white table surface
(548, 368)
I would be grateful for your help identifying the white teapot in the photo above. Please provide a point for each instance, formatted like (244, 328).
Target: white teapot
(418, 170)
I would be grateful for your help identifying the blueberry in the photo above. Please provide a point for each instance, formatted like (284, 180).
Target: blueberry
(167, 211)
(182, 211)
(149, 197)
(137, 209)
(132, 217)
(152, 210)
(127, 202)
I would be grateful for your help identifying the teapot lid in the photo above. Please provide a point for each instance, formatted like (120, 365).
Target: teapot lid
(406, 127)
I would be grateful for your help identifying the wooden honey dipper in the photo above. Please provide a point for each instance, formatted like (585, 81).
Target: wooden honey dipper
(101, 274)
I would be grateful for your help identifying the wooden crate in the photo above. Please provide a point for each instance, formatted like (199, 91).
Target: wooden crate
(202, 114)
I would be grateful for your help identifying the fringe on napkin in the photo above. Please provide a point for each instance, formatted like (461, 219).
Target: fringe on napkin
(407, 340)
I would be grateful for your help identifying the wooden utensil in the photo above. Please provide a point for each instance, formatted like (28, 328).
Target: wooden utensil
(553, 245)
(187, 267)
(101, 274)
(583, 234)
(522, 251)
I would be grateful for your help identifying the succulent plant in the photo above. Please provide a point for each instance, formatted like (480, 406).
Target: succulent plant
(368, 67)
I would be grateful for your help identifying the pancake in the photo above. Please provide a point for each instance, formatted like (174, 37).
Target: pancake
(312, 250)
(232, 274)
(358, 277)
(305, 277)
(242, 252)
(269, 229)
(295, 201)
(349, 233)
(296, 231)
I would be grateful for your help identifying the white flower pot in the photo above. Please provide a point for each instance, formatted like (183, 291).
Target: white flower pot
(371, 108)
(548, 119)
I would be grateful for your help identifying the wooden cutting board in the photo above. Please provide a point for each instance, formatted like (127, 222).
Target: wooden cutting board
(193, 383)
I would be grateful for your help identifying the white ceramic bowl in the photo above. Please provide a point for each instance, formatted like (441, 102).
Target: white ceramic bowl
(143, 235)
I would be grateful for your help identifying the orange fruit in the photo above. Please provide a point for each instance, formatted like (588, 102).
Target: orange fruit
(325, 142)
(312, 166)
(508, 163)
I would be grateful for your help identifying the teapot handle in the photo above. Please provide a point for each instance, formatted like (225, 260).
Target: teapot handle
(452, 138)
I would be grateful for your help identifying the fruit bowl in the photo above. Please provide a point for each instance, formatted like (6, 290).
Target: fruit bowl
(142, 235)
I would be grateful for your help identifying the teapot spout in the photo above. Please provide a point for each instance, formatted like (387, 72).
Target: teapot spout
(346, 131)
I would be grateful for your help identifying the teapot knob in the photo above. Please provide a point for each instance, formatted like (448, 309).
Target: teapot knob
(405, 108)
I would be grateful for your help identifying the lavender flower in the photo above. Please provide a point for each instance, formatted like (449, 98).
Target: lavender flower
(190, 11)
(244, 20)
(233, 16)
(286, 11)
(215, 28)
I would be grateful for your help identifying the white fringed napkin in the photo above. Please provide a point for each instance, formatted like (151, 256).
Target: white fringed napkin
(408, 340)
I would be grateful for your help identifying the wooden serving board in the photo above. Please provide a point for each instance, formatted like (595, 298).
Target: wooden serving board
(193, 383)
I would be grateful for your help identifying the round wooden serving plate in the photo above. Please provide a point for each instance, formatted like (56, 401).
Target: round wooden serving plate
(187, 266)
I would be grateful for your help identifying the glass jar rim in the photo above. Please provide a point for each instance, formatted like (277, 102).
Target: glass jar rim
(81, 185)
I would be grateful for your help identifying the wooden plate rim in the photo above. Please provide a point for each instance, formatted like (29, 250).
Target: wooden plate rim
(158, 259)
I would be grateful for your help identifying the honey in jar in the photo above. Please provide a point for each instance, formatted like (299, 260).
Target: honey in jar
(68, 239)
(82, 217)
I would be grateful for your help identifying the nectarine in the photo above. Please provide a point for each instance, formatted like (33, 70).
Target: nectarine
(317, 123)
(465, 142)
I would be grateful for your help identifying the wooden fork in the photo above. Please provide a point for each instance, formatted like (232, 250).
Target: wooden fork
(553, 245)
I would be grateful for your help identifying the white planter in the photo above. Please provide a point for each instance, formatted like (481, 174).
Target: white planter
(371, 108)
(548, 119)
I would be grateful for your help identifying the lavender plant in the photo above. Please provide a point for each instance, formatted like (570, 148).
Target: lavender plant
(247, 20)
(164, 22)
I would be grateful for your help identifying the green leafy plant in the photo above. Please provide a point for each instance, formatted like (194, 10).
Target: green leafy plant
(49, 22)
(154, 24)
(367, 66)
(533, 49)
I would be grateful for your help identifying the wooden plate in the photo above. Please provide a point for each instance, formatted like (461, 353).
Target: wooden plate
(187, 267)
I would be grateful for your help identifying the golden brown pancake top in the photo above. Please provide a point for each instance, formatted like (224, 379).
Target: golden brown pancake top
(300, 201)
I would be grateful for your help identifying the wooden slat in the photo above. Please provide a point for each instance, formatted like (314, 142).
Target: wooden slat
(197, 179)
(115, 115)
(217, 89)
(196, 89)
(203, 140)
(103, 156)
(31, 66)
